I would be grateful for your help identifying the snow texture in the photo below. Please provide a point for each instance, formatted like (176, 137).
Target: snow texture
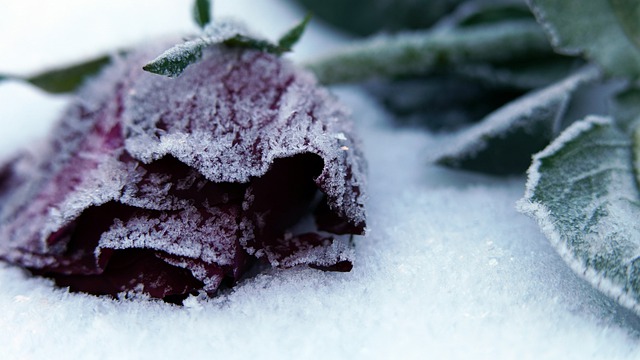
(447, 270)
(233, 153)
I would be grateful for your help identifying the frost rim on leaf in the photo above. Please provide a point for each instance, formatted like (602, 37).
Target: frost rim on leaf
(619, 289)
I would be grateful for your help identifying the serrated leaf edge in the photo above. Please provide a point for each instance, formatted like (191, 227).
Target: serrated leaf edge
(542, 214)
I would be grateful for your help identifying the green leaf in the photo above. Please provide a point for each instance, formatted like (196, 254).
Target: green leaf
(605, 31)
(292, 36)
(64, 79)
(525, 75)
(202, 12)
(581, 190)
(440, 102)
(248, 42)
(364, 17)
(285, 43)
(504, 141)
(477, 12)
(423, 52)
(625, 108)
(175, 60)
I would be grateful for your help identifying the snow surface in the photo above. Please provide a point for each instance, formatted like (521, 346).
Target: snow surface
(449, 269)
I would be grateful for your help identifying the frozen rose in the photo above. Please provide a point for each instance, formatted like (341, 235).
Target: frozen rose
(164, 187)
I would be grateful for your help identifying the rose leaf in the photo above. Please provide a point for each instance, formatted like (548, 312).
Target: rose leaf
(582, 191)
(202, 12)
(426, 51)
(504, 141)
(63, 79)
(605, 31)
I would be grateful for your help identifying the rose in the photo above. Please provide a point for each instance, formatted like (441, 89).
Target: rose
(163, 187)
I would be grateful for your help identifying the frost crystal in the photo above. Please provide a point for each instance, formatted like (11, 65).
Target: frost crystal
(163, 187)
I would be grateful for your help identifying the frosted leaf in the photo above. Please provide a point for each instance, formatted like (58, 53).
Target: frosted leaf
(63, 79)
(426, 51)
(505, 140)
(605, 31)
(173, 61)
(473, 12)
(581, 190)
(440, 102)
(526, 75)
(163, 187)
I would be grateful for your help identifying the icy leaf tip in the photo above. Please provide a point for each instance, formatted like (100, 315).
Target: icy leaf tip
(172, 62)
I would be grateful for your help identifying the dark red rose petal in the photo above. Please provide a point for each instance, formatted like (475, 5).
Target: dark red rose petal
(169, 186)
(134, 271)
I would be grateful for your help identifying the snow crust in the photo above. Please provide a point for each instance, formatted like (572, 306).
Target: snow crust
(448, 269)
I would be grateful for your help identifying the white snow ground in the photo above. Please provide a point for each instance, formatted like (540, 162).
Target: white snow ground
(448, 270)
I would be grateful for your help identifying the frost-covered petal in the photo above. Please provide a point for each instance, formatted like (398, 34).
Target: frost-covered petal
(232, 114)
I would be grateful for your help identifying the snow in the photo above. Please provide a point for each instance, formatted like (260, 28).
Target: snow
(449, 269)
